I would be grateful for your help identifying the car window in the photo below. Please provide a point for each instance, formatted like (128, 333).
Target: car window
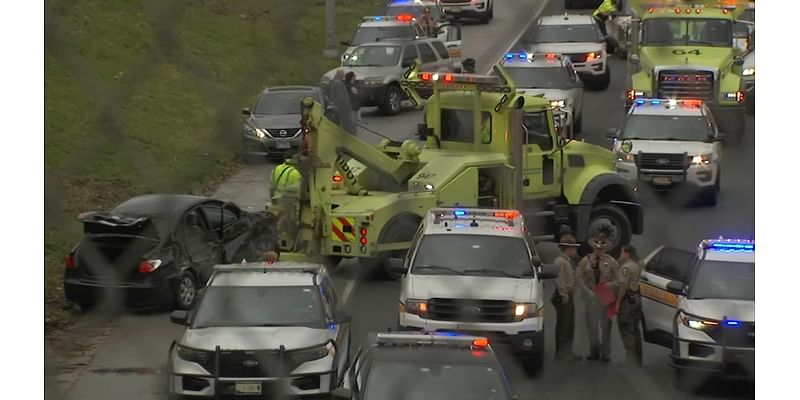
(675, 264)
(724, 280)
(687, 31)
(279, 103)
(442, 50)
(539, 78)
(369, 34)
(259, 306)
(426, 53)
(538, 130)
(410, 54)
(373, 56)
(667, 127)
(458, 126)
(214, 214)
(567, 34)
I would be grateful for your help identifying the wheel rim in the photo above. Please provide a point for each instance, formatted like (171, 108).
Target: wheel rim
(394, 100)
(187, 291)
(609, 226)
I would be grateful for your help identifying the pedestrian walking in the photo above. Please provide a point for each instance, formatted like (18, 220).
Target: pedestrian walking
(564, 299)
(352, 90)
(596, 276)
(629, 305)
(340, 96)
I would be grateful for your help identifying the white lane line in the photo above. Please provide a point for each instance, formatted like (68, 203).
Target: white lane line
(348, 289)
(521, 32)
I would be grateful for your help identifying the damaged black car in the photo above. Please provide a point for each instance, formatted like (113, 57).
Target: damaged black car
(160, 249)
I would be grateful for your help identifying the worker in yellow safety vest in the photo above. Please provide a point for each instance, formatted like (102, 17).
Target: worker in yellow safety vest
(284, 176)
(603, 12)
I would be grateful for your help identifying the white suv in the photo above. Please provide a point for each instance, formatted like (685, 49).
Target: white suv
(483, 10)
(578, 37)
(383, 27)
(476, 271)
(701, 304)
(670, 144)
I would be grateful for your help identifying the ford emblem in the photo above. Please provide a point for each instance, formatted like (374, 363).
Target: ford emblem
(250, 363)
(662, 161)
(283, 132)
(472, 310)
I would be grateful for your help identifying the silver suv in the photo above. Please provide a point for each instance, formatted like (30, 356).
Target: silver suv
(476, 271)
(261, 330)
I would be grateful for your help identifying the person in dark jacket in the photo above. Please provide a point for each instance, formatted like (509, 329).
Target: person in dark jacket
(352, 90)
(340, 98)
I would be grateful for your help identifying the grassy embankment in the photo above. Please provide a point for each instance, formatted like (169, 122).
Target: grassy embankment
(144, 96)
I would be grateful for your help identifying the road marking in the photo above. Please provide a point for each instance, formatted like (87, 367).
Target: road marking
(348, 289)
(533, 17)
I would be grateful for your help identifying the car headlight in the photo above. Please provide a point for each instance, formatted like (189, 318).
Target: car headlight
(527, 310)
(697, 323)
(557, 103)
(255, 132)
(416, 307)
(594, 55)
(201, 357)
(701, 159)
(749, 71)
(625, 157)
(304, 356)
(374, 81)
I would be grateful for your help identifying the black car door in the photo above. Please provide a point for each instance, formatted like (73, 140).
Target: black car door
(235, 232)
(201, 245)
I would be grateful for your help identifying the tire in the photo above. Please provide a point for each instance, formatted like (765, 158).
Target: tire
(622, 54)
(534, 366)
(392, 101)
(491, 11)
(569, 5)
(577, 126)
(401, 230)
(609, 215)
(712, 196)
(603, 81)
(186, 291)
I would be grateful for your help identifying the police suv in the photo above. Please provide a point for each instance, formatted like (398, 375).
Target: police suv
(701, 304)
(483, 10)
(383, 27)
(447, 32)
(477, 271)
(424, 366)
(579, 38)
(261, 330)
(552, 76)
(669, 143)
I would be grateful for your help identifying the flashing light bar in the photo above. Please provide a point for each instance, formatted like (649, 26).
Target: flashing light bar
(460, 213)
(387, 18)
(460, 78)
(730, 245)
(732, 322)
(670, 103)
(432, 339)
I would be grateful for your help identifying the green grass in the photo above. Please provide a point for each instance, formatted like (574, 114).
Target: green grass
(143, 96)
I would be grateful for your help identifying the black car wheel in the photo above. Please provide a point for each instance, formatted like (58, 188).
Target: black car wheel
(392, 101)
(186, 292)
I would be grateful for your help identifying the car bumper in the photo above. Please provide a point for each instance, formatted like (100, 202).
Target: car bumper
(269, 146)
(466, 9)
(699, 176)
(521, 338)
(712, 358)
(135, 294)
(591, 69)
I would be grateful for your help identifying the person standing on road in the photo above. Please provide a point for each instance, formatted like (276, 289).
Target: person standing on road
(340, 96)
(603, 12)
(352, 90)
(629, 305)
(596, 274)
(427, 22)
(564, 299)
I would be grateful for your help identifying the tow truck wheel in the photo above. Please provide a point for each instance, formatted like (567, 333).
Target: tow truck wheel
(401, 229)
(612, 220)
(392, 101)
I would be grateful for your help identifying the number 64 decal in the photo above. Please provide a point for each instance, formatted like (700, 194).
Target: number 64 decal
(680, 52)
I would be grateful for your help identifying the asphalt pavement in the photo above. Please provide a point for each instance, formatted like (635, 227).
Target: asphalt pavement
(129, 363)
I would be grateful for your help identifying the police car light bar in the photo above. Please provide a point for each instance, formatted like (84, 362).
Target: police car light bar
(388, 18)
(730, 245)
(669, 102)
(469, 213)
(445, 338)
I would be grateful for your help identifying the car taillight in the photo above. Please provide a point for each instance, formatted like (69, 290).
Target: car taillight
(148, 266)
(69, 262)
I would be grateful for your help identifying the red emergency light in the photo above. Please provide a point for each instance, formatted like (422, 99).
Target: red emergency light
(550, 56)
(425, 76)
(506, 214)
(337, 178)
(448, 78)
(404, 18)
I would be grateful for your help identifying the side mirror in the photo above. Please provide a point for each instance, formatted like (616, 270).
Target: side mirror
(536, 261)
(246, 111)
(180, 317)
(675, 287)
(738, 61)
(342, 316)
(611, 133)
(344, 43)
(548, 271)
(342, 393)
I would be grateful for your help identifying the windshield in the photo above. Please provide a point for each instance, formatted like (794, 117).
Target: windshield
(374, 56)
(374, 33)
(433, 381)
(259, 306)
(684, 32)
(567, 33)
(280, 103)
(748, 15)
(416, 11)
(539, 78)
(472, 254)
(724, 280)
(740, 30)
(667, 127)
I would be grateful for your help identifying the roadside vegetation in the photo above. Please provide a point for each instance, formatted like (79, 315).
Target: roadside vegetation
(144, 96)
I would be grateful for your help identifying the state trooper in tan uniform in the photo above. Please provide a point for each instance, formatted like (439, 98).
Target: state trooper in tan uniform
(597, 275)
(629, 305)
(564, 299)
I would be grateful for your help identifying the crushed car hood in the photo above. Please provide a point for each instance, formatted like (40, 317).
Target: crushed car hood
(741, 310)
(254, 338)
(282, 121)
(471, 287)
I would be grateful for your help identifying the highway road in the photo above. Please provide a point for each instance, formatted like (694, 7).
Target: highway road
(129, 362)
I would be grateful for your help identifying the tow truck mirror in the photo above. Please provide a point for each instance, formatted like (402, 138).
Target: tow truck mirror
(548, 271)
(675, 287)
(611, 133)
(397, 268)
(341, 393)
(180, 317)
(738, 61)
(246, 111)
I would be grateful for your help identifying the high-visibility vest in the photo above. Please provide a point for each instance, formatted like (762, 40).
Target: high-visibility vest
(284, 176)
(607, 7)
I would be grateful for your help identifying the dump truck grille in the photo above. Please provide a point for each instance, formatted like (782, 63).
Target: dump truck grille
(688, 84)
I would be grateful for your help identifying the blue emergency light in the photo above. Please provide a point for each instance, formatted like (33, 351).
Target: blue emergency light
(460, 213)
(731, 322)
(655, 102)
(377, 18)
(738, 247)
(521, 56)
(639, 102)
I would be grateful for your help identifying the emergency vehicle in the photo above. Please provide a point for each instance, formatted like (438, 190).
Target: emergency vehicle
(552, 76)
(382, 27)
(670, 144)
(482, 10)
(701, 305)
(490, 286)
(685, 50)
(579, 38)
(447, 32)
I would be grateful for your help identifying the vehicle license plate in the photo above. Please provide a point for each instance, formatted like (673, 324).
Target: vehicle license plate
(283, 145)
(662, 180)
(248, 388)
(455, 9)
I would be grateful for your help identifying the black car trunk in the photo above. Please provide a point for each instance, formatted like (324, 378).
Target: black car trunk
(114, 246)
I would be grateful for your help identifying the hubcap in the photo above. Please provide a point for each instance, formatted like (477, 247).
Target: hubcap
(607, 225)
(187, 290)
(394, 100)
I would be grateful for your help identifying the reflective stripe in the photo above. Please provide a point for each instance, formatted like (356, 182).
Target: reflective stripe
(340, 233)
